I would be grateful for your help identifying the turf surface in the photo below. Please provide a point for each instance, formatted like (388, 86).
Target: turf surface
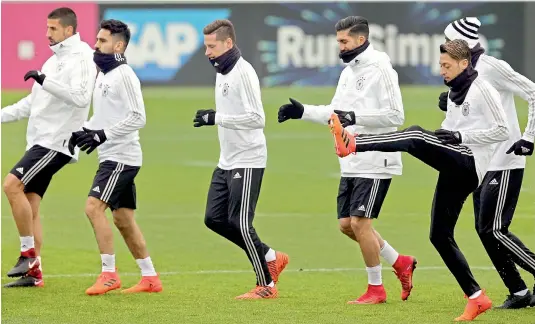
(296, 213)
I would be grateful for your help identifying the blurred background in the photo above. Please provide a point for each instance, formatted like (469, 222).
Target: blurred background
(293, 49)
(287, 43)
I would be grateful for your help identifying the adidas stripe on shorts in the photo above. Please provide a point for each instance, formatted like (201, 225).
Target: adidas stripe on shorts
(37, 167)
(362, 197)
(114, 185)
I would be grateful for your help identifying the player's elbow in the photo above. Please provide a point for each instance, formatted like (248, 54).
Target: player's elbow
(502, 133)
(143, 121)
(531, 98)
(397, 119)
(258, 121)
(81, 101)
(140, 120)
(261, 123)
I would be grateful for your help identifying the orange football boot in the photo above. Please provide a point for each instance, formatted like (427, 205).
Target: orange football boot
(344, 142)
(475, 307)
(106, 281)
(147, 284)
(261, 292)
(277, 266)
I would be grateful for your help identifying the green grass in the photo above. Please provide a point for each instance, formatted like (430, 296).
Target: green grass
(296, 213)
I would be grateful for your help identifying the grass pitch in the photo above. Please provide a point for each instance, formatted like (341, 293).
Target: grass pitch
(296, 213)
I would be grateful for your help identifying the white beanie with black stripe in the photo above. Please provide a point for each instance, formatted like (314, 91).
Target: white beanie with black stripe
(466, 29)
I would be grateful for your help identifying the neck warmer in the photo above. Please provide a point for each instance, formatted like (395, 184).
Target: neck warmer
(460, 85)
(348, 56)
(108, 62)
(224, 63)
(476, 53)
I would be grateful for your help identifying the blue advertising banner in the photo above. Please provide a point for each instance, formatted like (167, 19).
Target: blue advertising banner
(164, 40)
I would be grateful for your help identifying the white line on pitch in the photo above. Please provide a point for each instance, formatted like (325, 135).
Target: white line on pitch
(203, 272)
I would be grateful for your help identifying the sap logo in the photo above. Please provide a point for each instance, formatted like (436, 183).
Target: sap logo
(163, 40)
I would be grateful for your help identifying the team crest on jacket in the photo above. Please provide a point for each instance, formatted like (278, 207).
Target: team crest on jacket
(105, 90)
(225, 89)
(360, 83)
(465, 108)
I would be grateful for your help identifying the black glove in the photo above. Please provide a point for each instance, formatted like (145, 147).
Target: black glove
(293, 110)
(448, 137)
(347, 118)
(443, 101)
(204, 117)
(73, 139)
(522, 147)
(91, 139)
(36, 75)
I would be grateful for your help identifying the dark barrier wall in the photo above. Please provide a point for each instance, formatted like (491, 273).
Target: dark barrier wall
(294, 43)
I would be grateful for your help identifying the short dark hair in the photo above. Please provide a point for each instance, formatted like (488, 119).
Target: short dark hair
(458, 49)
(223, 29)
(357, 25)
(66, 17)
(117, 27)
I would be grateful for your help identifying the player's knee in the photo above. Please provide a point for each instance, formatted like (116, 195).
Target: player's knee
(345, 226)
(485, 231)
(238, 225)
(94, 207)
(12, 185)
(123, 219)
(488, 234)
(415, 128)
(212, 223)
(244, 228)
(209, 222)
(439, 238)
(121, 224)
(481, 231)
(360, 226)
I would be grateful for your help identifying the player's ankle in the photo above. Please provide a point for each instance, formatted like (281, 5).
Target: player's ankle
(475, 295)
(146, 267)
(108, 262)
(390, 255)
(30, 253)
(374, 275)
(27, 246)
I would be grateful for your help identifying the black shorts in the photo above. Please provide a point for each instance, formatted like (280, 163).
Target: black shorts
(37, 167)
(114, 185)
(361, 197)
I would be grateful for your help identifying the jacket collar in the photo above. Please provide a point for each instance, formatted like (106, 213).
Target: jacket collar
(364, 57)
(66, 46)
